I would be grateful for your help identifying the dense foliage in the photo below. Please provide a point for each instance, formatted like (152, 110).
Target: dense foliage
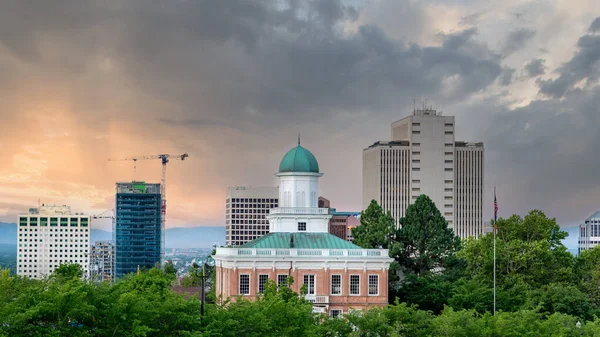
(542, 291)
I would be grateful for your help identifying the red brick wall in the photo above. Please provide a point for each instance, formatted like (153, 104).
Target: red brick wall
(322, 283)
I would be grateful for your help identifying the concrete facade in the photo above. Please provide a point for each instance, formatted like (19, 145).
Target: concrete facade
(50, 236)
(424, 158)
(246, 210)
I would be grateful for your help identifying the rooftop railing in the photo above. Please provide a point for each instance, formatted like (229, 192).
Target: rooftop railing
(299, 210)
(264, 252)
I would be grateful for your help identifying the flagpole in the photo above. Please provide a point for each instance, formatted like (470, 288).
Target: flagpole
(495, 220)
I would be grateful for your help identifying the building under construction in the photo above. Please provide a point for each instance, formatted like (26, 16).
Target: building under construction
(138, 231)
(102, 261)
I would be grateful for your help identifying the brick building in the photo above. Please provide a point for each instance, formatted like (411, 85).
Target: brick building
(339, 275)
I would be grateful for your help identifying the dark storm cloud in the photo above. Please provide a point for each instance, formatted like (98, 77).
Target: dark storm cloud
(535, 67)
(583, 66)
(595, 26)
(516, 40)
(251, 58)
(547, 150)
(507, 76)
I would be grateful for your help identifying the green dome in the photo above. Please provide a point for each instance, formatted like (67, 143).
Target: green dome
(299, 159)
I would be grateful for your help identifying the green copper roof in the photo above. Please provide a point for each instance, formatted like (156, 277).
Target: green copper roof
(299, 159)
(301, 241)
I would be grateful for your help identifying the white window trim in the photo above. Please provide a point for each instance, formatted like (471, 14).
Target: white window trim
(240, 284)
(258, 283)
(315, 283)
(368, 285)
(286, 278)
(341, 284)
(350, 285)
(341, 312)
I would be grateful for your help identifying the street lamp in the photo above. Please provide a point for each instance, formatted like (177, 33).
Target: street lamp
(210, 262)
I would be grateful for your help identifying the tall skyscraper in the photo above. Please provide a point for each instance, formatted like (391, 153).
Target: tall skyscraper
(49, 236)
(246, 209)
(137, 234)
(102, 257)
(589, 232)
(424, 158)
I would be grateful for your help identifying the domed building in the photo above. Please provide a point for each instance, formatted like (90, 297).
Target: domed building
(589, 232)
(338, 275)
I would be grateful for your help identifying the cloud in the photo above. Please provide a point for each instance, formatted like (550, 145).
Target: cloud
(517, 40)
(535, 67)
(583, 68)
(233, 82)
(595, 26)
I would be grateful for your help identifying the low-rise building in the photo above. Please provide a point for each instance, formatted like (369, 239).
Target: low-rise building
(338, 275)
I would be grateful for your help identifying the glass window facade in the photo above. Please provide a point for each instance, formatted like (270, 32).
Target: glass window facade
(137, 233)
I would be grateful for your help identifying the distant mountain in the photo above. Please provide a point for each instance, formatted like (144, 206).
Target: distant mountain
(100, 235)
(8, 233)
(194, 237)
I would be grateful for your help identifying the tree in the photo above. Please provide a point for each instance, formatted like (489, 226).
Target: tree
(528, 251)
(68, 271)
(377, 228)
(169, 268)
(425, 240)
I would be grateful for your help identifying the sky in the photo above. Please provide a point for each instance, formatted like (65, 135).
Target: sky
(232, 83)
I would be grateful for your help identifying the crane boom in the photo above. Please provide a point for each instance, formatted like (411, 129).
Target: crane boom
(164, 158)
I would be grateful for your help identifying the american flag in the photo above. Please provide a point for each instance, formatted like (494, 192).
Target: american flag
(495, 207)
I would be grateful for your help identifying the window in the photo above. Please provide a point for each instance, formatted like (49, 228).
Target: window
(309, 281)
(416, 124)
(448, 132)
(373, 284)
(448, 169)
(244, 284)
(336, 284)
(281, 281)
(354, 284)
(416, 144)
(448, 124)
(416, 132)
(416, 169)
(262, 280)
(416, 152)
(302, 226)
(335, 313)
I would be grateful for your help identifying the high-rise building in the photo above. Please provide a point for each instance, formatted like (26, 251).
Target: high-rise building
(468, 189)
(49, 236)
(137, 234)
(424, 158)
(246, 209)
(337, 275)
(102, 259)
(589, 232)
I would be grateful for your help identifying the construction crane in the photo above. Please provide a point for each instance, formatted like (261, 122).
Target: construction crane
(164, 158)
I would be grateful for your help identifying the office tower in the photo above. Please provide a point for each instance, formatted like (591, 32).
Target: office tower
(468, 189)
(137, 234)
(589, 232)
(102, 261)
(50, 236)
(424, 158)
(386, 176)
(246, 209)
